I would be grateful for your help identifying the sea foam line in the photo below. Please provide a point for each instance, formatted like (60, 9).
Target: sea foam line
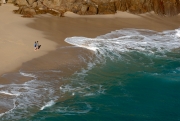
(27, 75)
(49, 104)
(178, 32)
(14, 102)
(7, 93)
(130, 39)
(72, 40)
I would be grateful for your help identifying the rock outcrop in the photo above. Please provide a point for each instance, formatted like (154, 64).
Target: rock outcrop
(91, 7)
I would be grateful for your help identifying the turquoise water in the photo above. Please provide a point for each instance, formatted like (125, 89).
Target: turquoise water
(134, 76)
(144, 88)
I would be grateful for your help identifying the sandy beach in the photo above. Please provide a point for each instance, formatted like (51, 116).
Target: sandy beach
(16, 41)
(38, 78)
(18, 35)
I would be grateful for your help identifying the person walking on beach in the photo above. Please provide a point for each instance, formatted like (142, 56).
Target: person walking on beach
(35, 46)
(38, 45)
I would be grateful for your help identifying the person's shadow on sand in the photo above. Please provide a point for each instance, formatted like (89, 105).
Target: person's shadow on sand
(39, 46)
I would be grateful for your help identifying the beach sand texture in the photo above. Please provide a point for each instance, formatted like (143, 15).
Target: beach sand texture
(18, 34)
(17, 40)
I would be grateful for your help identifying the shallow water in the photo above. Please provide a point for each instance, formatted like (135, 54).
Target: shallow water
(133, 75)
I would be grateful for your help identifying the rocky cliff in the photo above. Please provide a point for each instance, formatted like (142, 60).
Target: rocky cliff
(91, 7)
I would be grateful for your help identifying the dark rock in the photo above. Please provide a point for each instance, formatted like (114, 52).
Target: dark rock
(91, 7)
(107, 8)
(92, 10)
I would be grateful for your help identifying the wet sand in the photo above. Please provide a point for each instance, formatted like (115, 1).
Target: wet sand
(57, 29)
(18, 36)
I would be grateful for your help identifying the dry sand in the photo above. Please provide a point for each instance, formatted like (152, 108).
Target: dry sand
(17, 40)
(18, 35)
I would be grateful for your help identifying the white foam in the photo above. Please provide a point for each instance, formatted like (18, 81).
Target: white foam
(178, 32)
(2, 114)
(66, 88)
(7, 93)
(101, 90)
(129, 40)
(27, 74)
(33, 93)
(72, 111)
(14, 103)
(69, 88)
(49, 104)
(77, 40)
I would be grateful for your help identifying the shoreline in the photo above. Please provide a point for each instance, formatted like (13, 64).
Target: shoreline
(51, 31)
(18, 36)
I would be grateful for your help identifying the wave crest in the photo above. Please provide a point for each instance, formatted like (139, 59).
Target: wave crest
(129, 40)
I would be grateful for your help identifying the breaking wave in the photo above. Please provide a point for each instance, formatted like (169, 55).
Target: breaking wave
(42, 91)
(126, 40)
(49, 104)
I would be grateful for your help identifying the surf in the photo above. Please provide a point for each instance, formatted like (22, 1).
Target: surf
(119, 56)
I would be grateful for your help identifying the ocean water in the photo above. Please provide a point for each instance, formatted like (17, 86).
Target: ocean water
(134, 75)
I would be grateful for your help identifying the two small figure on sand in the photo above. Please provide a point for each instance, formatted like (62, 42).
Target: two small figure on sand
(36, 46)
